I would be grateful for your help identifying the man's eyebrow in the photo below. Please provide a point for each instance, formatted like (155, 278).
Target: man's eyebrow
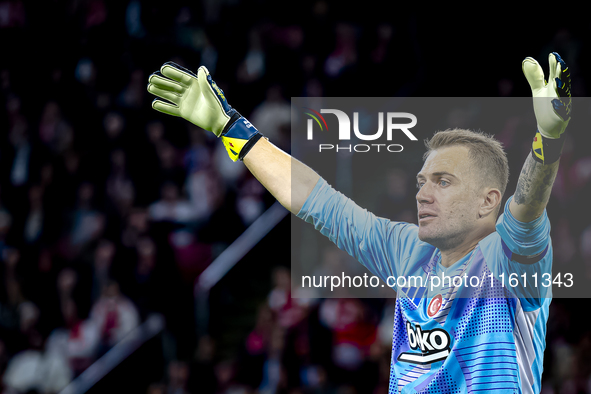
(439, 173)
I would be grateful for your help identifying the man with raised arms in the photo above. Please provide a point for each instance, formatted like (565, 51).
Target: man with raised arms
(447, 339)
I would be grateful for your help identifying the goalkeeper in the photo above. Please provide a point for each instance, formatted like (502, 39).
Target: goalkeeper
(443, 342)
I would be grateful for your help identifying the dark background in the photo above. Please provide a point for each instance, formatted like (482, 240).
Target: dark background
(109, 211)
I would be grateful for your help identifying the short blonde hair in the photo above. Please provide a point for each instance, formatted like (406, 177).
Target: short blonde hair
(486, 153)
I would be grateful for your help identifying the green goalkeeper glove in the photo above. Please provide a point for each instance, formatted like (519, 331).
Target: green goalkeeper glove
(199, 100)
(553, 113)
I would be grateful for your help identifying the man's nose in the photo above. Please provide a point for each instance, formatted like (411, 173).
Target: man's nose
(425, 193)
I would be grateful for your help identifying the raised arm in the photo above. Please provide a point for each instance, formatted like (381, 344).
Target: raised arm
(552, 106)
(289, 180)
(198, 99)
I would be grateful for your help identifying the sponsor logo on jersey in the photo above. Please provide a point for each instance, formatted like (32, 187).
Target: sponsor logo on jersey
(434, 345)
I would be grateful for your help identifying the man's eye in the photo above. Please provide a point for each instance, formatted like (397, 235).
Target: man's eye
(443, 183)
(419, 185)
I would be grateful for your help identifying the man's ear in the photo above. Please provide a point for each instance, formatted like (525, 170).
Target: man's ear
(490, 203)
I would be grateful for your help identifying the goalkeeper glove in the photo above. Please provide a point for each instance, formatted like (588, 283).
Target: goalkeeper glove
(552, 99)
(198, 99)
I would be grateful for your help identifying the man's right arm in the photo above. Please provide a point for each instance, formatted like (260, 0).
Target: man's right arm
(381, 245)
(289, 180)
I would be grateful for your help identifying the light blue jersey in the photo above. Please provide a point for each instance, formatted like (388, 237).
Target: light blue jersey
(458, 338)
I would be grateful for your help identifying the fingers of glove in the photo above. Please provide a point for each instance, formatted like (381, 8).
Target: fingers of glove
(533, 72)
(165, 94)
(554, 67)
(210, 90)
(563, 83)
(562, 107)
(178, 73)
(181, 69)
(165, 107)
(563, 66)
(562, 87)
(160, 81)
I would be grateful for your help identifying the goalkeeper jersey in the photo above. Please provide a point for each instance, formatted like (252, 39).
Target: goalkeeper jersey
(457, 337)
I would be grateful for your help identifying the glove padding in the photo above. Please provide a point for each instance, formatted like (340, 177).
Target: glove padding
(198, 99)
(552, 99)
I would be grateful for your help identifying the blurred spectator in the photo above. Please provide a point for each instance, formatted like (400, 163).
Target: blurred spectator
(344, 54)
(136, 226)
(171, 207)
(191, 255)
(203, 186)
(178, 377)
(288, 310)
(253, 65)
(209, 55)
(119, 186)
(271, 115)
(225, 373)
(33, 370)
(145, 279)
(86, 224)
(54, 131)
(21, 163)
(202, 378)
(5, 224)
(256, 346)
(133, 21)
(12, 14)
(34, 222)
(170, 165)
(4, 356)
(78, 339)
(114, 314)
(132, 96)
(157, 388)
(274, 376)
(114, 126)
(32, 367)
(257, 341)
(230, 172)
(102, 265)
(85, 72)
(249, 203)
(205, 194)
(353, 331)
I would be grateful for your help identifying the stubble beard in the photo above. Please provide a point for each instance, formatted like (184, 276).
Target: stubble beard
(444, 239)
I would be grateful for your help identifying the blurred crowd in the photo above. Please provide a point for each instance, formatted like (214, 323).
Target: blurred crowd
(109, 211)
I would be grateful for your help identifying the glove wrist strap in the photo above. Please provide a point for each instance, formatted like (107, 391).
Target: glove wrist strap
(233, 119)
(239, 137)
(547, 150)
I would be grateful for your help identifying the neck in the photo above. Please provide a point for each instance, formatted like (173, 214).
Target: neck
(453, 255)
(448, 258)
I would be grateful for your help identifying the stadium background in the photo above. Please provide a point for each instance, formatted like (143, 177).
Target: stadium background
(109, 211)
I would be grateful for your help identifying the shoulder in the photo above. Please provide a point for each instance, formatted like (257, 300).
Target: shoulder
(523, 238)
(405, 239)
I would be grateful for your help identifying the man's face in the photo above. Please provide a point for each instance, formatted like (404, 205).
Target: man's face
(448, 199)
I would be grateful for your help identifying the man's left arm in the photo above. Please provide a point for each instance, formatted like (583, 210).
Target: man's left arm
(552, 106)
